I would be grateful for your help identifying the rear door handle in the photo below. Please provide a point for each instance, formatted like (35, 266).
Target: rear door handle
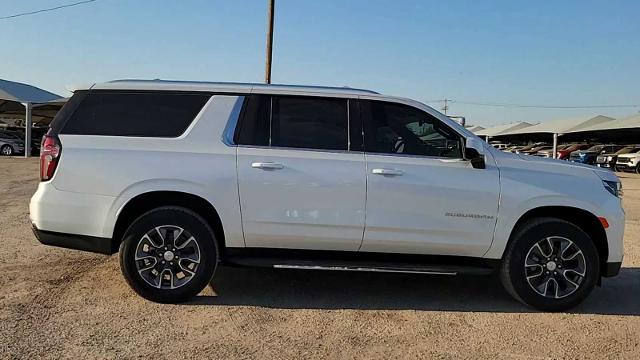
(267, 165)
(387, 172)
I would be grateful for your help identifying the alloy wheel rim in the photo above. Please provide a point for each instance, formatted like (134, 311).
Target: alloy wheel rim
(555, 267)
(167, 257)
(6, 151)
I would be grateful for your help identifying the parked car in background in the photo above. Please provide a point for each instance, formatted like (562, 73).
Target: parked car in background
(535, 150)
(180, 177)
(512, 148)
(609, 160)
(548, 153)
(564, 153)
(500, 146)
(10, 144)
(629, 162)
(589, 155)
(529, 147)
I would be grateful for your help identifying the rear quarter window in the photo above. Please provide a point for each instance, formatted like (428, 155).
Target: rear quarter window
(142, 114)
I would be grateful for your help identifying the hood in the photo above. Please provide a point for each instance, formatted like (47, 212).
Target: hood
(537, 163)
(632, 155)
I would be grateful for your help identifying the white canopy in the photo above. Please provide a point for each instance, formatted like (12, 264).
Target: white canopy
(475, 128)
(561, 126)
(626, 123)
(500, 129)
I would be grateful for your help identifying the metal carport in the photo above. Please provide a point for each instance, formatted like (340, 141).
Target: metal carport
(626, 130)
(499, 129)
(557, 128)
(22, 100)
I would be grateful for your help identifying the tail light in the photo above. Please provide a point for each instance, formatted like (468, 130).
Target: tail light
(49, 156)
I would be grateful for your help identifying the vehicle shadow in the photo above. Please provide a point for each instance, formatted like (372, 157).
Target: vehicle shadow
(300, 289)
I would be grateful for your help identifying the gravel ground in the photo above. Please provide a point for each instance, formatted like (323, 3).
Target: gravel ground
(58, 303)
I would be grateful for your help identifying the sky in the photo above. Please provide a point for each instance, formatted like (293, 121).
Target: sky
(550, 53)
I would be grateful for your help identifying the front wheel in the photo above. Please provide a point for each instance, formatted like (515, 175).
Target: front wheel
(550, 264)
(169, 254)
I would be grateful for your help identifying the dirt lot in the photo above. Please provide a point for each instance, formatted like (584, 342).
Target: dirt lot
(59, 303)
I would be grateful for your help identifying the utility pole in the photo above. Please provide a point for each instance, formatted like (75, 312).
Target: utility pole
(270, 13)
(446, 105)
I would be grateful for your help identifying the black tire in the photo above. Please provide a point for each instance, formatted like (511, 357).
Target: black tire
(514, 276)
(192, 224)
(7, 150)
(638, 169)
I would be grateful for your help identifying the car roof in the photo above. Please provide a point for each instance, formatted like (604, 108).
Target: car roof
(228, 87)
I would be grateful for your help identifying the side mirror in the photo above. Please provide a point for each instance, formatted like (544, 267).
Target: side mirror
(474, 152)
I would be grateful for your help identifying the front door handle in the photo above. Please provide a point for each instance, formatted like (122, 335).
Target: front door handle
(387, 172)
(267, 165)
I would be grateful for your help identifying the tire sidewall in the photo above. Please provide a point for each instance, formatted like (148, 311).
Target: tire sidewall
(532, 235)
(187, 220)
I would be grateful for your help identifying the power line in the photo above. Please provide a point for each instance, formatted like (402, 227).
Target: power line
(45, 10)
(507, 105)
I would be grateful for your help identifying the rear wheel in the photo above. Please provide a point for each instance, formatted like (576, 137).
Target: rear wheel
(6, 150)
(550, 264)
(169, 254)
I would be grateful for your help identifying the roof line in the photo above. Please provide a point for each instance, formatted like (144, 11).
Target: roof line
(222, 83)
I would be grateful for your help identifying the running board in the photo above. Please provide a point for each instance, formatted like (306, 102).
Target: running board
(359, 265)
(368, 269)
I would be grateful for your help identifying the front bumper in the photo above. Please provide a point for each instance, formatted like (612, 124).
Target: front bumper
(77, 242)
(626, 167)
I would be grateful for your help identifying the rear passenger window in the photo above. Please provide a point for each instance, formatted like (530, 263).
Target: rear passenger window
(295, 122)
(152, 114)
(393, 128)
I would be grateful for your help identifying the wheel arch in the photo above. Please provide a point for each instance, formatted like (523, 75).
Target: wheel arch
(146, 201)
(583, 219)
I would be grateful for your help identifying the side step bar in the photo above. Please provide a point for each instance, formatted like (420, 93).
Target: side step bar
(358, 265)
(369, 269)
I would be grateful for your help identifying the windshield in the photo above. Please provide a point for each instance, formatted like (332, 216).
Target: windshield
(595, 148)
(627, 150)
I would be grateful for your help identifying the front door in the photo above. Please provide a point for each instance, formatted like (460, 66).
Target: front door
(422, 197)
(300, 185)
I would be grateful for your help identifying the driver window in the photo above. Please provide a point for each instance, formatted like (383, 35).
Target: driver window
(400, 129)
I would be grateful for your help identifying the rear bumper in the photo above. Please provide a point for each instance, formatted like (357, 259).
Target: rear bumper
(77, 242)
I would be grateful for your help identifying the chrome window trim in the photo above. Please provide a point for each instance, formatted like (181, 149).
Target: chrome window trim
(301, 149)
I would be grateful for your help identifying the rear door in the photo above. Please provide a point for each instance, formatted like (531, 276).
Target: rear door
(422, 196)
(301, 176)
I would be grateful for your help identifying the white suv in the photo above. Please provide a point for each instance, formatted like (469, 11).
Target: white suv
(629, 162)
(182, 176)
